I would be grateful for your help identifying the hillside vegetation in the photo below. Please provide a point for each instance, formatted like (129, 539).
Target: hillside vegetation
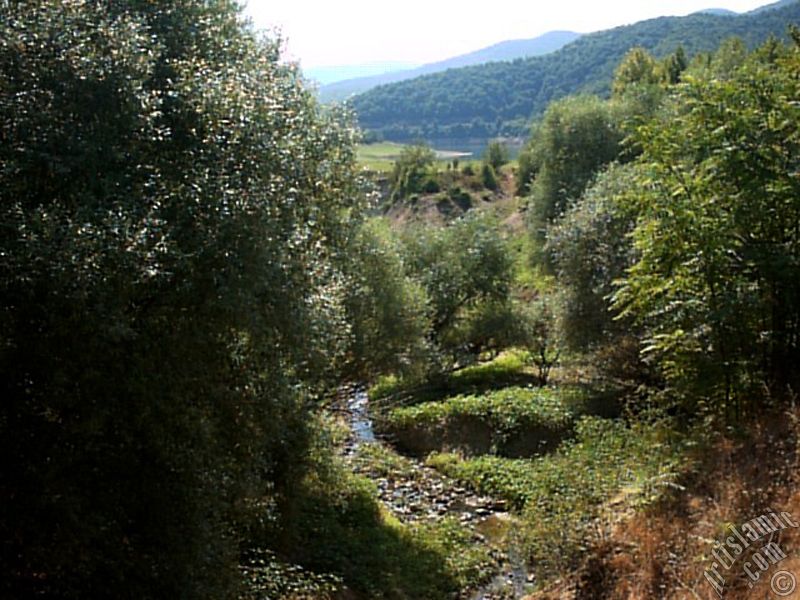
(503, 51)
(499, 99)
(229, 371)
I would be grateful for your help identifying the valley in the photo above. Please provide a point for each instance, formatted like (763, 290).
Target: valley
(525, 327)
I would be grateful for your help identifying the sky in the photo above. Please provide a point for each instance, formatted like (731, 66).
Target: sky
(324, 33)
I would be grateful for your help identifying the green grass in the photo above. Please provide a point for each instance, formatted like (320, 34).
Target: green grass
(564, 496)
(505, 410)
(528, 276)
(509, 369)
(501, 370)
(380, 156)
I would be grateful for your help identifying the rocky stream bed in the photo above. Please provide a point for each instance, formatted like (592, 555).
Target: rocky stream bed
(418, 493)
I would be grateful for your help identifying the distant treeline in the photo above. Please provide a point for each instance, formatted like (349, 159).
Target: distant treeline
(499, 99)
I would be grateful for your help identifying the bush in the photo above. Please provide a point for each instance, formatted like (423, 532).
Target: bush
(562, 495)
(488, 177)
(496, 155)
(431, 186)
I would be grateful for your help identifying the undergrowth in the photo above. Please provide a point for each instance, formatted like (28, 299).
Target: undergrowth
(566, 497)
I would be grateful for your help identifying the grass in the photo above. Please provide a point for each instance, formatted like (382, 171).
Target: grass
(527, 277)
(562, 497)
(504, 410)
(513, 422)
(381, 156)
(511, 368)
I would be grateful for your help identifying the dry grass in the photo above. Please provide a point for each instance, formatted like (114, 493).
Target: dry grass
(662, 552)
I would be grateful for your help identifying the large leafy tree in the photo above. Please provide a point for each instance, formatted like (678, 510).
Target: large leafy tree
(718, 244)
(174, 208)
(576, 139)
(590, 250)
(465, 270)
(387, 309)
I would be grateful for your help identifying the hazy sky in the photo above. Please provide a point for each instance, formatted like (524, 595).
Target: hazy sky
(343, 32)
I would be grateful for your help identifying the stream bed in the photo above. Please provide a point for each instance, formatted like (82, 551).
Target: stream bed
(424, 494)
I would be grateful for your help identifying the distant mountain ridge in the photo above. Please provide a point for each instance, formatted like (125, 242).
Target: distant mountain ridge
(508, 50)
(333, 74)
(773, 6)
(717, 11)
(501, 98)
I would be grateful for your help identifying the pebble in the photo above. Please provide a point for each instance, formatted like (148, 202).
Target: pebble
(422, 494)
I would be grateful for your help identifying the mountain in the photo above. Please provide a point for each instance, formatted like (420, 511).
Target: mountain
(509, 50)
(499, 99)
(329, 75)
(773, 6)
(717, 11)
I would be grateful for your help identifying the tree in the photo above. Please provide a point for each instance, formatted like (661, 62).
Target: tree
(638, 68)
(463, 268)
(577, 138)
(496, 155)
(488, 177)
(716, 280)
(412, 171)
(591, 250)
(175, 212)
(387, 310)
(674, 65)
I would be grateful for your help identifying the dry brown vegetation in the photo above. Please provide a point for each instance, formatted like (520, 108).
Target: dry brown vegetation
(663, 551)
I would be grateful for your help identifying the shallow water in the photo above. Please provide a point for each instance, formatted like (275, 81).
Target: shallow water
(360, 423)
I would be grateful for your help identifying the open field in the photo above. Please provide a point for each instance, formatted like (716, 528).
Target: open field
(381, 156)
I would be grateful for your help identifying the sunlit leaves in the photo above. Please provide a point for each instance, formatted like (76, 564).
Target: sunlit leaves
(717, 238)
(176, 217)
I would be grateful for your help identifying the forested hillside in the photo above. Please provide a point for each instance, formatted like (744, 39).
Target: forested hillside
(504, 51)
(229, 372)
(499, 99)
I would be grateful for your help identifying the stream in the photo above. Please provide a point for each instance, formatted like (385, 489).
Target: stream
(431, 496)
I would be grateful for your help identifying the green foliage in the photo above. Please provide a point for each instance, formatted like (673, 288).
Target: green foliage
(674, 66)
(498, 99)
(562, 496)
(539, 335)
(637, 68)
(496, 155)
(175, 212)
(577, 137)
(488, 327)
(716, 198)
(495, 373)
(506, 410)
(488, 177)
(460, 197)
(461, 267)
(640, 81)
(510, 368)
(528, 165)
(590, 250)
(412, 171)
(387, 310)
